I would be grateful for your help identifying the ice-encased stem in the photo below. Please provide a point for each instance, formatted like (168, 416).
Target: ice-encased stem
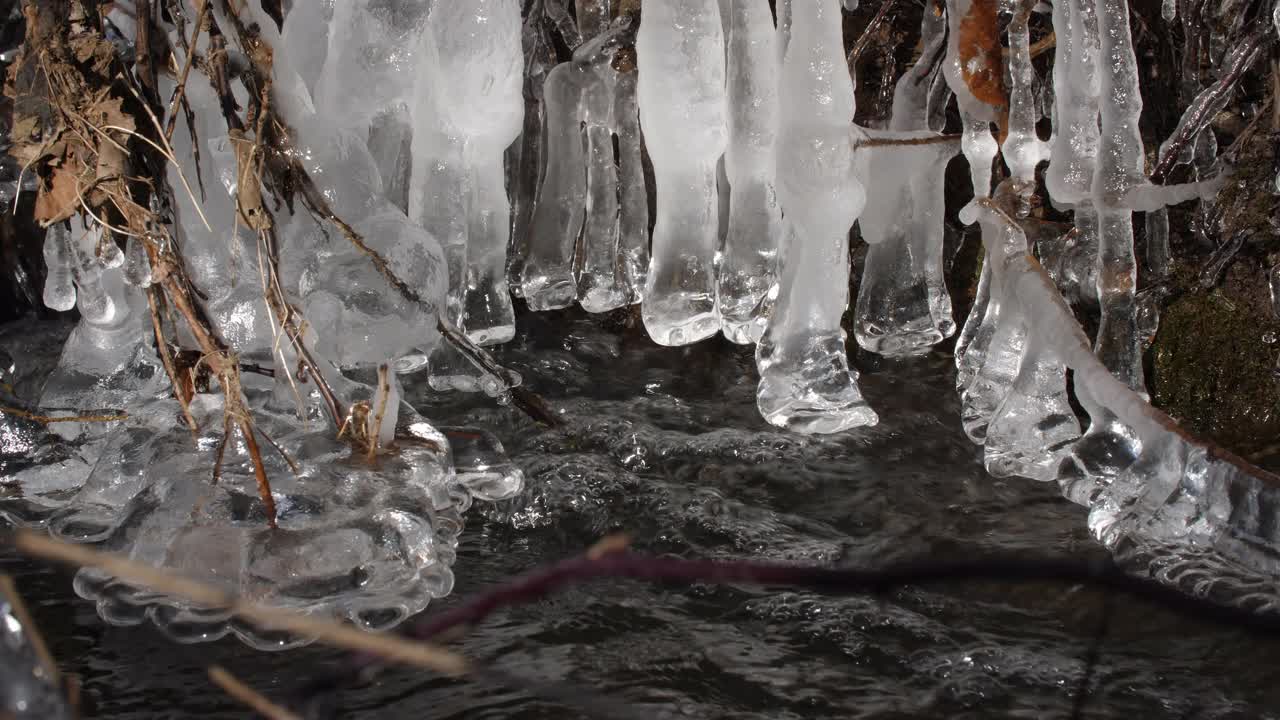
(806, 383)
(748, 261)
(680, 48)
(546, 279)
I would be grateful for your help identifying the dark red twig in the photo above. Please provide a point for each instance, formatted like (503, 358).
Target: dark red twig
(622, 564)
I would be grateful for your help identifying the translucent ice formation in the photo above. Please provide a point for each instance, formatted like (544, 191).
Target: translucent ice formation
(683, 112)
(591, 190)
(468, 108)
(748, 261)
(806, 383)
(903, 307)
(369, 543)
(598, 283)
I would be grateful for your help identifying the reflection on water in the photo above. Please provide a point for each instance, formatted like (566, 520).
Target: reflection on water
(666, 444)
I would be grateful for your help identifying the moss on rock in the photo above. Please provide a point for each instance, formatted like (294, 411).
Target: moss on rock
(1214, 366)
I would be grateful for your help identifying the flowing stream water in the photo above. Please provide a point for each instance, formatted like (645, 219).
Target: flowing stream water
(666, 445)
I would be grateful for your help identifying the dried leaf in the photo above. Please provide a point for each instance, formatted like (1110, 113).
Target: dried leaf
(106, 111)
(981, 61)
(95, 52)
(57, 199)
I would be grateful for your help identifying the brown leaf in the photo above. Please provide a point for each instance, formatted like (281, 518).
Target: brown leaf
(94, 51)
(981, 61)
(107, 110)
(57, 199)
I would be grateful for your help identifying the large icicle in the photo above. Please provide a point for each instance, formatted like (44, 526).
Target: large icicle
(748, 263)
(903, 307)
(1118, 170)
(806, 383)
(633, 217)
(578, 90)
(680, 47)
(599, 286)
(980, 149)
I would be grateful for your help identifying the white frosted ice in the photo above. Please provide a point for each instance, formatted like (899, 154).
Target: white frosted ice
(748, 261)
(683, 113)
(806, 383)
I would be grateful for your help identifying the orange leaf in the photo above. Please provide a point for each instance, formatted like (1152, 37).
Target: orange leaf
(981, 62)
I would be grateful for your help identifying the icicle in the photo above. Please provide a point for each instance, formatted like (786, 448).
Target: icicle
(996, 361)
(783, 12)
(748, 263)
(1034, 425)
(903, 307)
(977, 143)
(1119, 168)
(108, 252)
(546, 279)
(530, 158)
(137, 268)
(1022, 150)
(680, 46)
(59, 287)
(806, 383)
(598, 284)
(467, 110)
(1074, 144)
(971, 346)
(633, 221)
(95, 302)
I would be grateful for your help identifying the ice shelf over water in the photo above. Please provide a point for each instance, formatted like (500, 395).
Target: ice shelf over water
(698, 158)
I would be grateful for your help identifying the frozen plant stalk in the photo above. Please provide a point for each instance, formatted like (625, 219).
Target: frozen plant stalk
(806, 383)
(748, 264)
(680, 48)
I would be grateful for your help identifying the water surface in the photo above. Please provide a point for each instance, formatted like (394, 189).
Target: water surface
(666, 445)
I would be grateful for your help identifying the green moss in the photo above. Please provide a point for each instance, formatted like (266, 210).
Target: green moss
(1212, 369)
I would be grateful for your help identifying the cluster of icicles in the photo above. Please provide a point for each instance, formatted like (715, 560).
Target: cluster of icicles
(447, 133)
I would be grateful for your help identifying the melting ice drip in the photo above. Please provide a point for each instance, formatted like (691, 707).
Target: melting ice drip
(404, 114)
